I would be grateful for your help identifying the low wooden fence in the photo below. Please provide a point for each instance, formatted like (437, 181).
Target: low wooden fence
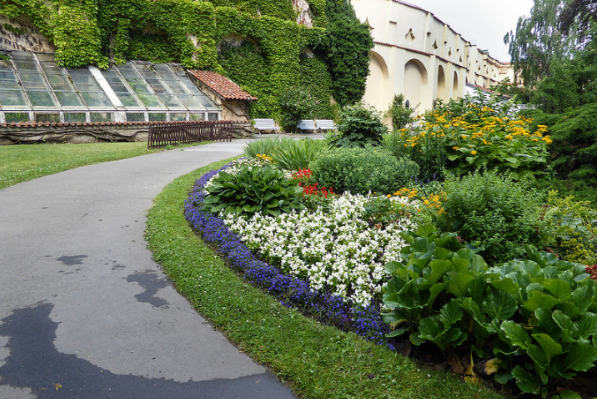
(172, 133)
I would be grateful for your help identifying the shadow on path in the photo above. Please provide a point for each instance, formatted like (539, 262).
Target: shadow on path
(35, 363)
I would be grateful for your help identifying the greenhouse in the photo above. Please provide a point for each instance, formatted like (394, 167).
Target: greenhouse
(33, 88)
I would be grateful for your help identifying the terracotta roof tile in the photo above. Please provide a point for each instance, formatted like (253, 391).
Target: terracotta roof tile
(224, 87)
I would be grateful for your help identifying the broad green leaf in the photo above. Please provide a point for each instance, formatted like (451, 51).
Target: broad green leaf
(426, 230)
(550, 347)
(458, 283)
(586, 326)
(516, 334)
(416, 339)
(429, 329)
(525, 381)
(393, 266)
(461, 265)
(438, 269)
(546, 323)
(581, 356)
(506, 285)
(536, 353)
(471, 307)
(454, 337)
(569, 395)
(397, 332)
(503, 377)
(450, 313)
(500, 305)
(559, 289)
(565, 324)
(442, 253)
(477, 288)
(434, 291)
(540, 300)
(582, 297)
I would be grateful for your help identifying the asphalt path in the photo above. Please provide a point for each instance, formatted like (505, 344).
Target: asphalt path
(84, 310)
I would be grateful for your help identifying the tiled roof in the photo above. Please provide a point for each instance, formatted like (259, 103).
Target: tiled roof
(224, 87)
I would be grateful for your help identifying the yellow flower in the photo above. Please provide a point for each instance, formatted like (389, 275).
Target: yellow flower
(464, 136)
(455, 148)
(389, 196)
(473, 152)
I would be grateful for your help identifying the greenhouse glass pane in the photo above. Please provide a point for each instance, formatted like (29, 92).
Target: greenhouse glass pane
(12, 97)
(16, 117)
(135, 117)
(47, 117)
(170, 78)
(139, 85)
(170, 100)
(68, 98)
(157, 117)
(190, 101)
(90, 90)
(40, 98)
(212, 117)
(74, 117)
(101, 117)
(176, 117)
(197, 116)
(122, 92)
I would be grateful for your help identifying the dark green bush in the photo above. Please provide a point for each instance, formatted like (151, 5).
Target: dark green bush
(493, 213)
(252, 190)
(359, 126)
(360, 170)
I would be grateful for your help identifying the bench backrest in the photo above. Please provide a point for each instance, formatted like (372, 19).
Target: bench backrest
(306, 125)
(325, 124)
(265, 124)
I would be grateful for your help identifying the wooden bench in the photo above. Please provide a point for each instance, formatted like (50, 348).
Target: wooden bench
(325, 124)
(306, 125)
(265, 124)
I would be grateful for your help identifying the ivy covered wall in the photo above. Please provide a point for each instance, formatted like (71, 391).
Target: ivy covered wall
(256, 43)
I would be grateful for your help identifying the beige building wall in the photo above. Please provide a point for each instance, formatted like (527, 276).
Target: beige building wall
(418, 55)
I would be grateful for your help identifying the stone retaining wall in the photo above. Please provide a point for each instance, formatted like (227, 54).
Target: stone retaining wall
(74, 133)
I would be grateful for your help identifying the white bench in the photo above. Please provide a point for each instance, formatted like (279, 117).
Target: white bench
(265, 124)
(306, 125)
(325, 124)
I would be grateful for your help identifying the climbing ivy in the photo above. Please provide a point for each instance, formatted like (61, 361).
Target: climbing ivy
(272, 52)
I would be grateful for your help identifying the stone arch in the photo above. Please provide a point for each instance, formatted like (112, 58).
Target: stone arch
(415, 83)
(443, 91)
(455, 86)
(378, 83)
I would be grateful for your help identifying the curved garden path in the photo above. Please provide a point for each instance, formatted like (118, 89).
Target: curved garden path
(84, 310)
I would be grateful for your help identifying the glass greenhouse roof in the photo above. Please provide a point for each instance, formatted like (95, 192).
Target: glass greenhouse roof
(33, 87)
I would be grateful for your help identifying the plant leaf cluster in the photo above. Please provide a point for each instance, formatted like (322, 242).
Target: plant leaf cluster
(251, 190)
(536, 316)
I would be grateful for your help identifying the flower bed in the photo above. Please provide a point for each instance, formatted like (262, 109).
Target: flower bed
(289, 289)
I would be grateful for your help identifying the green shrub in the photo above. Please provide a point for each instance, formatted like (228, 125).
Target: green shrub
(287, 153)
(493, 213)
(297, 154)
(533, 320)
(570, 228)
(266, 146)
(359, 126)
(297, 104)
(252, 190)
(360, 170)
(400, 113)
(429, 151)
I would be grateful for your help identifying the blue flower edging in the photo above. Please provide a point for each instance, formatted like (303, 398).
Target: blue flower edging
(291, 291)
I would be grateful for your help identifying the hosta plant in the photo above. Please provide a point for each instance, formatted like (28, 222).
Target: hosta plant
(250, 190)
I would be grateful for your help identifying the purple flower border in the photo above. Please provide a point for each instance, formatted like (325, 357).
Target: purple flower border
(290, 291)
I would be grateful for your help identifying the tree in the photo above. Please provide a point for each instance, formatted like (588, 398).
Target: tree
(538, 41)
(581, 13)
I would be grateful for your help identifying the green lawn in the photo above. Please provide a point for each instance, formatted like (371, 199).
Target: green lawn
(315, 360)
(24, 162)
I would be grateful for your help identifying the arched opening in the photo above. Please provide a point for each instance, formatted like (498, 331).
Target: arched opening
(455, 88)
(415, 82)
(443, 93)
(377, 83)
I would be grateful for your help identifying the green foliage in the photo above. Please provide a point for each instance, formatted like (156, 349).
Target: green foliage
(570, 228)
(381, 211)
(535, 317)
(359, 126)
(575, 144)
(287, 153)
(480, 132)
(361, 170)
(295, 105)
(400, 114)
(349, 43)
(428, 151)
(493, 213)
(251, 190)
